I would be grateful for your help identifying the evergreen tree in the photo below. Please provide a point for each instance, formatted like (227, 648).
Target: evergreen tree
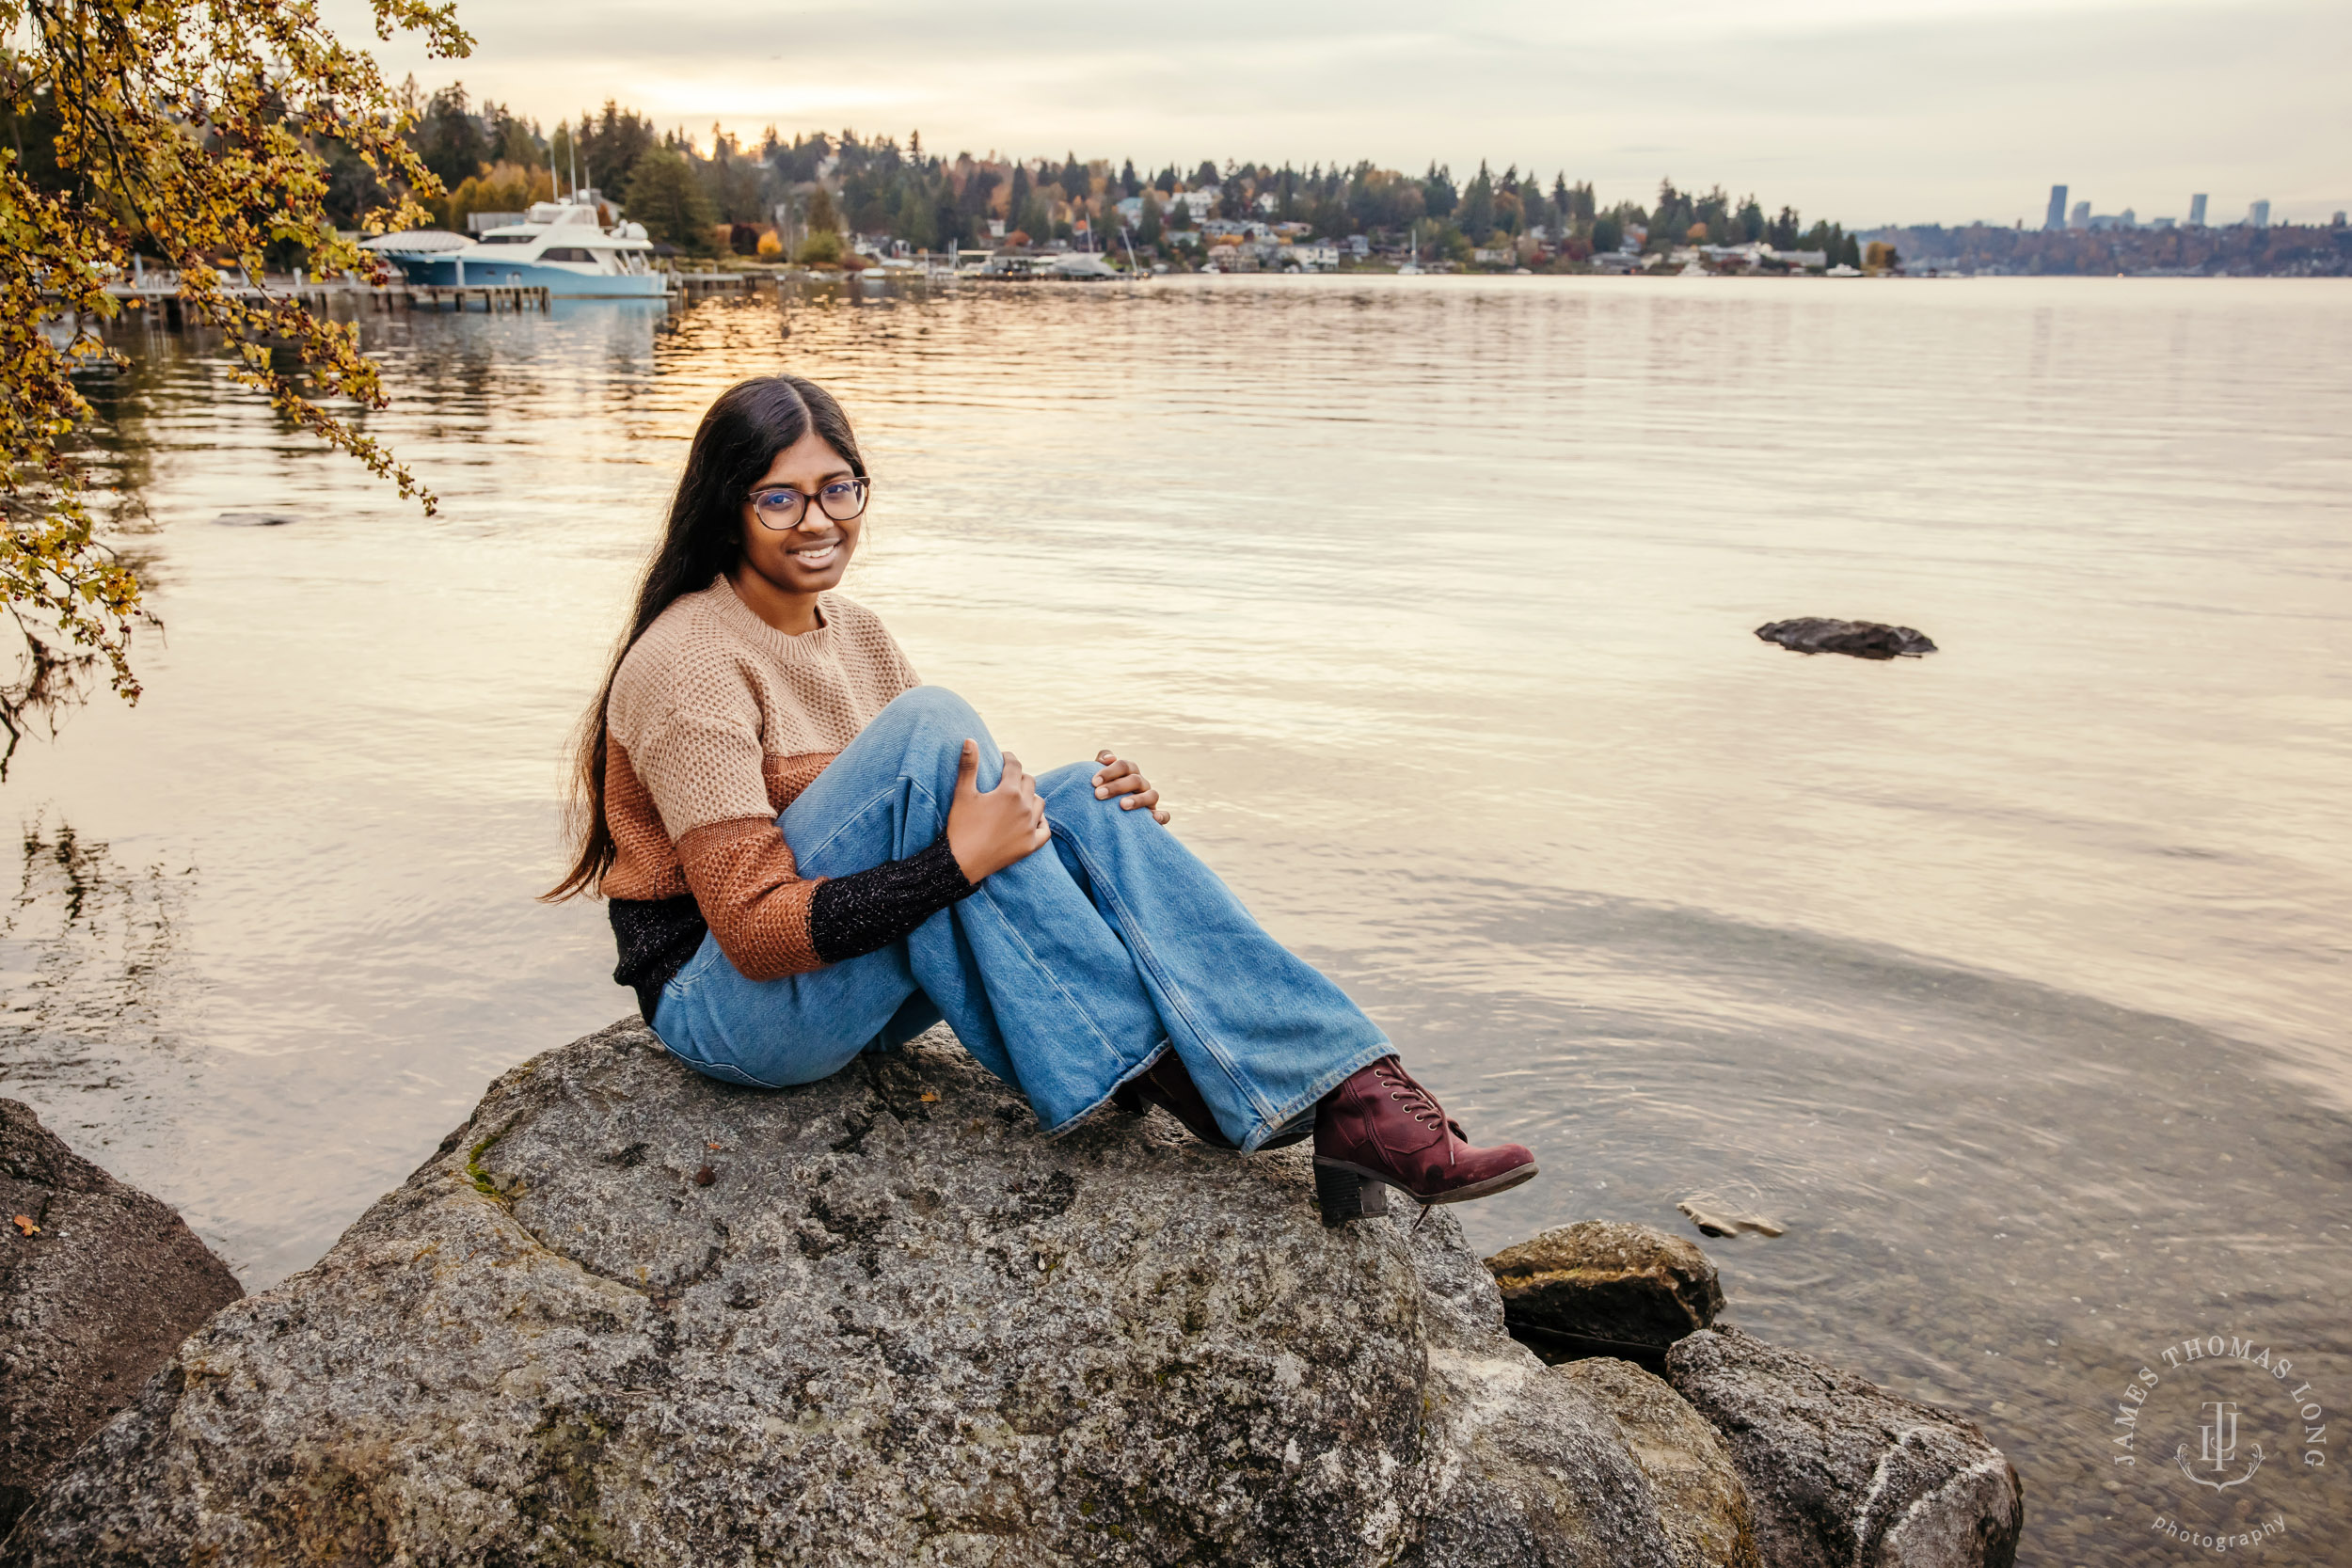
(1511, 202)
(913, 222)
(610, 146)
(1034, 219)
(1478, 206)
(823, 223)
(1205, 175)
(1148, 222)
(1128, 184)
(824, 217)
(512, 141)
(1438, 195)
(973, 201)
(1712, 212)
(448, 139)
(665, 195)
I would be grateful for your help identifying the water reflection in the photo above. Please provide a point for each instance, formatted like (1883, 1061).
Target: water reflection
(2011, 980)
(99, 981)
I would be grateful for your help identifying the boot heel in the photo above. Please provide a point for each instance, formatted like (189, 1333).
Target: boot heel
(1343, 1195)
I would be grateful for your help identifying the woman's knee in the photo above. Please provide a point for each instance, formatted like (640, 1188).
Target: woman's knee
(931, 717)
(1072, 781)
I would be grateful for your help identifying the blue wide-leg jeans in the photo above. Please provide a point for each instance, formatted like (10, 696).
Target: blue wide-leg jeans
(1065, 974)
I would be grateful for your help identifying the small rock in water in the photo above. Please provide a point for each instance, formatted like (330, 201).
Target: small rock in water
(1839, 1470)
(1815, 634)
(99, 1284)
(253, 519)
(1597, 1288)
(1715, 1217)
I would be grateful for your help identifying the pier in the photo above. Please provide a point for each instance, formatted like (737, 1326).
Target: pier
(494, 296)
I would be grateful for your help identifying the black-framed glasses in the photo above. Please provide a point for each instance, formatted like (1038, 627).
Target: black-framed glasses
(780, 506)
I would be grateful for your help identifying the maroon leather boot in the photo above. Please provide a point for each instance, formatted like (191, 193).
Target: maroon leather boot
(1380, 1130)
(1167, 1085)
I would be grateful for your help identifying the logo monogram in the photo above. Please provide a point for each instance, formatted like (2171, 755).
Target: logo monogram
(2217, 1447)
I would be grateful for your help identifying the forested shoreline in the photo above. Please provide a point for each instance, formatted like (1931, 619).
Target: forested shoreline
(702, 194)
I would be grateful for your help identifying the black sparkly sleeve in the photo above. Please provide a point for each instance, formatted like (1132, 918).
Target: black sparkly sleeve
(853, 915)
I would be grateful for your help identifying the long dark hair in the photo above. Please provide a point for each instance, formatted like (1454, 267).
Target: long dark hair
(740, 436)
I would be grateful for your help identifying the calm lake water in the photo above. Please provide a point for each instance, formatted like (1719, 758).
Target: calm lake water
(2013, 980)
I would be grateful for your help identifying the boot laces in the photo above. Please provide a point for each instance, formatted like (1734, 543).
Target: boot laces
(1418, 1104)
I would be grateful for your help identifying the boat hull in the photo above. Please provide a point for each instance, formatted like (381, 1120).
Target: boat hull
(562, 282)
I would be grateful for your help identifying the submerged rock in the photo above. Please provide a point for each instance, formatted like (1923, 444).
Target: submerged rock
(1597, 1288)
(1840, 1471)
(629, 1314)
(99, 1283)
(1815, 634)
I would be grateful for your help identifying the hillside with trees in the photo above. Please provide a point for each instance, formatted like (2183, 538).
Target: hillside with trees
(817, 193)
(2238, 250)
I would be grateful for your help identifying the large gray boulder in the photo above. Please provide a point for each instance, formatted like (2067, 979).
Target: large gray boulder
(1840, 1472)
(627, 1314)
(99, 1283)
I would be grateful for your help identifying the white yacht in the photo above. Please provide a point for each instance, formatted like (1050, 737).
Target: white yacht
(559, 247)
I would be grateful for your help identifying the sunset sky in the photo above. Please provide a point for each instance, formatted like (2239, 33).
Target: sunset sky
(1917, 111)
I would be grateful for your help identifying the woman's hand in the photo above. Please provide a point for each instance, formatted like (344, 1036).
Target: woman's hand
(989, 831)
(1123, 779)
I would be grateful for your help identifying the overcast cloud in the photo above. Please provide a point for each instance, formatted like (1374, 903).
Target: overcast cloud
(1935, 110)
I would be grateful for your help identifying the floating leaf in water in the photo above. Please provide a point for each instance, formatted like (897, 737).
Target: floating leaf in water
(1715, 1217)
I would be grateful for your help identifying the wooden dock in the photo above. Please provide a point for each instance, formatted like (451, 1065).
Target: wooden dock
(153, 295)
(156, 296)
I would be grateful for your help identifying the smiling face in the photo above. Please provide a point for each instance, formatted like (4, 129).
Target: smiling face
(799, 562)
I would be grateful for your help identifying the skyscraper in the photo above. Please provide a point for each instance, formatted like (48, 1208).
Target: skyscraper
(2081, 218)
(2058, 207)
(2196, 211)
(2258, 216)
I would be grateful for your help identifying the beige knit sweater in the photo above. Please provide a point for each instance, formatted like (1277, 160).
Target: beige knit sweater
(718, 722)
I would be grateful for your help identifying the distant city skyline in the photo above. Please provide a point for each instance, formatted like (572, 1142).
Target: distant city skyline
(1942, 111)
(2081, 215)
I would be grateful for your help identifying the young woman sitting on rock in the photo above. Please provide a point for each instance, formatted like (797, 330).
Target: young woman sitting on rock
(807, 854)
